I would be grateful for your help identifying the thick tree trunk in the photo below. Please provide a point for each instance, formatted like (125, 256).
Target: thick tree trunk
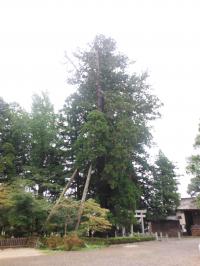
(61, 195)
(80, 211)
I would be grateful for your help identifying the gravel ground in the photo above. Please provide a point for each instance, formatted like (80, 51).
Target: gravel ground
(166, 253)
(19, 252)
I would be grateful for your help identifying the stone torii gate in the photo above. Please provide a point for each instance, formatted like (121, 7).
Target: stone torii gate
(141, 214)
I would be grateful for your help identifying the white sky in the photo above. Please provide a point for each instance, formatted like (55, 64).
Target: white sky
(163, 36)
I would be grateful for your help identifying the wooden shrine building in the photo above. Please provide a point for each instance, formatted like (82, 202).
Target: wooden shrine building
(186, 221)
(189, 216)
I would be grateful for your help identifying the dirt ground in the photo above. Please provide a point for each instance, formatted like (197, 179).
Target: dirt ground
(182, 252)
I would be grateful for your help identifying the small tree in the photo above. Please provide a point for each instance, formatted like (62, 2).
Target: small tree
(96, 218)
(64, 215)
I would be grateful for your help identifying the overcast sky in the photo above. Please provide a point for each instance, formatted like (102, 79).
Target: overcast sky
(162, 36)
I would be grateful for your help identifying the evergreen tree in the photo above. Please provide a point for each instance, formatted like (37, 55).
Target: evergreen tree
(165, 197)
(14, 140)
(7, 152)
(44, 169)
(20, 137)
(21, 212)
(106, 124)
(193, 168)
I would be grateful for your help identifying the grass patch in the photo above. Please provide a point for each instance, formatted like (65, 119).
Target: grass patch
(93, 246)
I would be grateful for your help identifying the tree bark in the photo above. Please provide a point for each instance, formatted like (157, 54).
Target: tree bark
(80, 211)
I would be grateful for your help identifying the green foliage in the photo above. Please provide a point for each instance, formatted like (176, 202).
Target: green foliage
(7, 166)
(44, 168)
(165, 197)
(42, 147)
(5, 204)
(73, 242)
(193, 168)
(92, 141)
(5, 191)
(124, 240)
(198, 201)
(95, 218)
(14, 141)
(20, 137)
(64, 216)
(113, 140)
(22, 212)
(118, 240)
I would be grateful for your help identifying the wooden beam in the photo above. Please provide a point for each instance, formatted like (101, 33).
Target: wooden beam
(80, 211)
(62, 195)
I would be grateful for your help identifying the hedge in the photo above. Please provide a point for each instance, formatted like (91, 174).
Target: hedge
(73, 241)
(118, 240)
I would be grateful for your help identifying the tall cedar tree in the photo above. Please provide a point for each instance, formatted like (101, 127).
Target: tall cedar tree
(44, 169)
(113, 140)
(165, 196)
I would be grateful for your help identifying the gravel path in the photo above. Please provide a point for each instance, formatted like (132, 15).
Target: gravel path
(19, 252)
(166, 253)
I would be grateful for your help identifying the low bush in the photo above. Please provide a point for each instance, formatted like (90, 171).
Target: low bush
(95, 240)
(118, 240)
(125, 240)
(67, 243)
(72, 241)
(54, 242)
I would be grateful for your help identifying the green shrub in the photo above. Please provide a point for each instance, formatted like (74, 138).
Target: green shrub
(73, 242)
(124, 240)
(95, 240)
(118, 240)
